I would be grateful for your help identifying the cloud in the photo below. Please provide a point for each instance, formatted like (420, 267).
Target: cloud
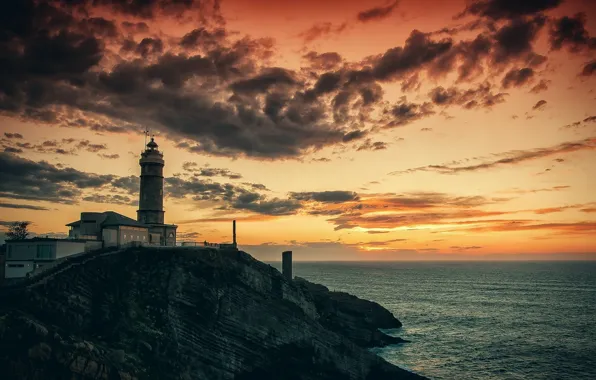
(509, 158)
(259, 204)
(115, 199)
(480, 96)
(518, 77)
(377, 13)
(13, 135)
(192, 167)
(419, 51)
(323, 61)
(580, 123)
(109, 156)
(539, 105)
(68, 146)
(368, 144)
(571, 32)
(531, 191)
(587, 228)
(514, 40)
(509, 9)
(325, 196)
(589, 69)
(403, 113)
(541, 86)
(321, 30)
(465, 248)
(42, 181)
(22, 206)
(191, 235)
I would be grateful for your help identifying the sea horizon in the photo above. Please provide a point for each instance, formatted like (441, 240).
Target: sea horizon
(478, 319)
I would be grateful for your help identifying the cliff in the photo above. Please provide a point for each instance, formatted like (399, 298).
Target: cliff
(145, 313)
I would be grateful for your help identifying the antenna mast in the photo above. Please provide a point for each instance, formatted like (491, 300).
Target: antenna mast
(146, 134)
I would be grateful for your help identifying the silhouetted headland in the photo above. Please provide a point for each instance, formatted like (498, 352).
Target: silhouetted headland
(186, 313)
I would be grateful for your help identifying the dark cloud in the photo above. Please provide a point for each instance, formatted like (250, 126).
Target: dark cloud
(514, 40)
(22, 206)
(264, 81)
(257, 203)
(10, 149)
(109, 156)
(419, 51)
(480, 96)
(203, 39)
(321, 30)
(541, 86)
(509, 9)
(377, 13)
(115, 199)
(518, 77)
(135, 27)
(149, 47)
(129, 184)
(62, 147)
(570, 32)
(589, 69)
(472, 54)
(90, 147)
(404, 113)
(465, 248)
(29, 180)
(13, 135)
(509, 158)
(325, 196)
(580, 123)
(323, 61)
(368, 144)
(539, 105)
(192, 167)
(354, 135)
(187, 235)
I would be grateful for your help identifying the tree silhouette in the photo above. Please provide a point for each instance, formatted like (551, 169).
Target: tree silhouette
(18, 230)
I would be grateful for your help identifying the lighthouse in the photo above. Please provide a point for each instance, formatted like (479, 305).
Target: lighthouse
(151, 195)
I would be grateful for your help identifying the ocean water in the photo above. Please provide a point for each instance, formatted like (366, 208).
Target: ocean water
(480, 320)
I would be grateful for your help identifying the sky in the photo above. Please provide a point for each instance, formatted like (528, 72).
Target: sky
(339, 129)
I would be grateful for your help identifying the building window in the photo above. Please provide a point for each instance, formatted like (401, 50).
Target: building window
(125, 236)
(44, 251)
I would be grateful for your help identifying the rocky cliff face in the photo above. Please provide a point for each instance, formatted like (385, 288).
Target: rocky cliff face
(147, 313)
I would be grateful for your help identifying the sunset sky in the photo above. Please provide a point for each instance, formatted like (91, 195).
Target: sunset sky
(339, 129)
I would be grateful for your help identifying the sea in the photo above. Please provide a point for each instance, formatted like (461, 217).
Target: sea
(479, 320)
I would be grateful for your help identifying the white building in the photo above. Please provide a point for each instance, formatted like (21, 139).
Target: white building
(28, 255)
(113, 229)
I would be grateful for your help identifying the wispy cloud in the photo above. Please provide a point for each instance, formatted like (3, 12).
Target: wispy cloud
(377, 13)
(513, 157)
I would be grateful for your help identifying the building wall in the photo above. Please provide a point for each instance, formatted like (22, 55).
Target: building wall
(2, 268)
(167, 232)
(129, 234)
(18, 269)
(31, 250)
(110, 237)
(67, 248)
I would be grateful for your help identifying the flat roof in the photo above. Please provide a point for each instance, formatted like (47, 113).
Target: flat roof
(36, 239)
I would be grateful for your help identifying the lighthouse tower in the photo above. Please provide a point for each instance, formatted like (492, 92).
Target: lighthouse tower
(151, 194)
(151, 210)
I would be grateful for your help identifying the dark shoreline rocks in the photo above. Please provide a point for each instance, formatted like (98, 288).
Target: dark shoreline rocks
(144, 313)
(356, 318)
